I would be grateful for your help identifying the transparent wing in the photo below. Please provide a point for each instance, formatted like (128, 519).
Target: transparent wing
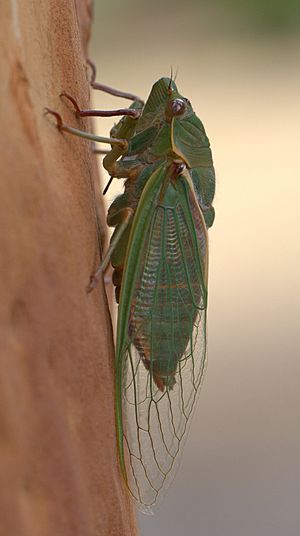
(165, 356)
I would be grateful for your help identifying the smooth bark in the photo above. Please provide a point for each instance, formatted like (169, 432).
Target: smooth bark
(59, 467)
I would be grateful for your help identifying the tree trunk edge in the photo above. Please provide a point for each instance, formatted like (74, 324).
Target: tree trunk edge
(59, 464)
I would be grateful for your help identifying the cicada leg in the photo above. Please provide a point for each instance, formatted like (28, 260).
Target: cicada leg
(131, 112)
(100, 151)
(108, 89)
(124, 218)
(120, 143)
(119, 146)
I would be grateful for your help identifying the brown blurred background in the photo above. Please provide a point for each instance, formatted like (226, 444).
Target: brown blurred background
(238, 63)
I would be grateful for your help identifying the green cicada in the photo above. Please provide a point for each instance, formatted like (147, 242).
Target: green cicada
(159, 251)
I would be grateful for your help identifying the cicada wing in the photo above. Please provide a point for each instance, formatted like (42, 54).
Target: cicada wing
(164, 355)
(156, 422)
(204, 183)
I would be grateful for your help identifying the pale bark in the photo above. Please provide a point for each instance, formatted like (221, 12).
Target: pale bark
(59, 467)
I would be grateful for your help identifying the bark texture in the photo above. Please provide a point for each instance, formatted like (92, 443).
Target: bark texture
(59, 468)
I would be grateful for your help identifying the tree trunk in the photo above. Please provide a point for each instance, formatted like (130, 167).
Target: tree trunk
(60, 473)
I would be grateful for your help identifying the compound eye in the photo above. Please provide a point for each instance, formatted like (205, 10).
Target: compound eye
(178, 106)
(180, 168)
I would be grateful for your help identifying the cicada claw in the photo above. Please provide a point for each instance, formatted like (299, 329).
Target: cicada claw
(92, 284)
(59, 121)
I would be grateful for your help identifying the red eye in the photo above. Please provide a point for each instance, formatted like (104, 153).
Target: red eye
(180, 168)
(178, 106)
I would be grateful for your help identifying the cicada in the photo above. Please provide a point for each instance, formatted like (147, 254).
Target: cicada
(159, 253)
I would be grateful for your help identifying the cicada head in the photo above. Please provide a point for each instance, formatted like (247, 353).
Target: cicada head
(176, 105)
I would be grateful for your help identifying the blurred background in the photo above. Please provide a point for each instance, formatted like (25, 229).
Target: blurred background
(239, 63)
